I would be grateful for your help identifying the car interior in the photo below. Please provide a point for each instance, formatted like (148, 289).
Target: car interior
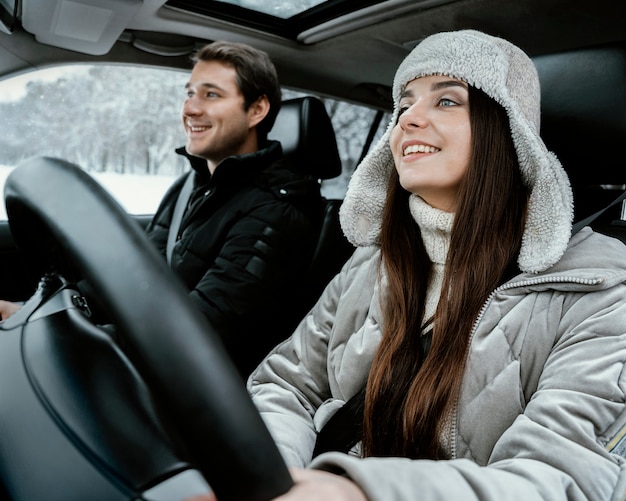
(306, 134)
(128, 410)
(79, 416)
(580, 96)
(58, 387)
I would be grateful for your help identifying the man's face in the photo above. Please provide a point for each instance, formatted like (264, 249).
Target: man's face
(216, 124)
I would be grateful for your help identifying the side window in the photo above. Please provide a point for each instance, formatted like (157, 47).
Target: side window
(352, 124)
(119, 123)
(122, 124)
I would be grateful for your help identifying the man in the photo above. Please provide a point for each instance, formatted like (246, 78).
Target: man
(248, 231)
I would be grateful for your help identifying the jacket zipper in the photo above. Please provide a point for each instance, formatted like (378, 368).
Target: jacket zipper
(506, 286)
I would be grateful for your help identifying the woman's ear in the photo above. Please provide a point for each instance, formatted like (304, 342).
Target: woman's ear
(258, 111)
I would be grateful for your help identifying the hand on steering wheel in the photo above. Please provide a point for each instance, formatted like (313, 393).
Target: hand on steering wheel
(312, 485)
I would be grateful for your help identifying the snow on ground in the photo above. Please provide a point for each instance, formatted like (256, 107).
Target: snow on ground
(138, 194)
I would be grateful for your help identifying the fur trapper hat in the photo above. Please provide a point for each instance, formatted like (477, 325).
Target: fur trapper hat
(507, 75)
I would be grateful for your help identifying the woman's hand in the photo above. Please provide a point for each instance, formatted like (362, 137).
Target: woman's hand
(7, 309)
(312, 485)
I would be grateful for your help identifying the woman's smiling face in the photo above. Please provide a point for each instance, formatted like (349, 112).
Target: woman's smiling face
(431, 143)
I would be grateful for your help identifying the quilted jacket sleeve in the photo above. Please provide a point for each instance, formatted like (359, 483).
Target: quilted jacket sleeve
(294, 380)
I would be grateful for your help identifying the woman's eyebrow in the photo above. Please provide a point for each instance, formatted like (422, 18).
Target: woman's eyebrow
(436, 86)
(448, 83)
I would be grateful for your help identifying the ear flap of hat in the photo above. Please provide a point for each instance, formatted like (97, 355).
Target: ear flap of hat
(362, 209)
(550, 208)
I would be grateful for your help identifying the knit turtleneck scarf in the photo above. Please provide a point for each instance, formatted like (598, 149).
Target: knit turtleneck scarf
(436, 227)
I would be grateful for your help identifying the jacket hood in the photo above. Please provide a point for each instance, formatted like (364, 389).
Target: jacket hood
(507, 75)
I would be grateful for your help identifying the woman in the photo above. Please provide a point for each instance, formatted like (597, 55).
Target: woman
(490, 343)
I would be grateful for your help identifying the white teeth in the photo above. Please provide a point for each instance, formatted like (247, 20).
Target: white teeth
(419, 148)
(195, 128)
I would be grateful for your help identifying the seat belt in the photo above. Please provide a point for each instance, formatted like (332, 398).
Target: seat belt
(177, 215)
(344, 429)
(590, 219)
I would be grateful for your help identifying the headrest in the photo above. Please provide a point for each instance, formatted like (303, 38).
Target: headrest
(306, 133)
(583, 117)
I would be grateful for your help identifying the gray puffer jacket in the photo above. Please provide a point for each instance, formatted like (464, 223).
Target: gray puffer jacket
(542, 410)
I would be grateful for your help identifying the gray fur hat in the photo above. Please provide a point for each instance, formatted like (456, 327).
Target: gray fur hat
(507, 75)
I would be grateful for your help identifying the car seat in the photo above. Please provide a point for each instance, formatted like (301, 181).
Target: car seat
(306, 133)
(583, 125)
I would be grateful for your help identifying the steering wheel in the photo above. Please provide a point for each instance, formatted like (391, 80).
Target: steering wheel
(56, 207)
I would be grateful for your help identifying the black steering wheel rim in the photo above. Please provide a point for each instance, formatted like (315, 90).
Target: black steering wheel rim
(173, 346)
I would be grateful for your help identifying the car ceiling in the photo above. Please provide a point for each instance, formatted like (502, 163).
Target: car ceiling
(353, 57)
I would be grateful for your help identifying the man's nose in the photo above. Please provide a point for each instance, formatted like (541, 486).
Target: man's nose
(191, 106)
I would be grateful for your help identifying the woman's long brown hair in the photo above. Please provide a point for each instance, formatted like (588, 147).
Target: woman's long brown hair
(408, 400)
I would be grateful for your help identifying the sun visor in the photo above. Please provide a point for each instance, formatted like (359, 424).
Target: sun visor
(88, 26)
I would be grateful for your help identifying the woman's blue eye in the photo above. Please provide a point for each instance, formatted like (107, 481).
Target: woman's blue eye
(446, 102)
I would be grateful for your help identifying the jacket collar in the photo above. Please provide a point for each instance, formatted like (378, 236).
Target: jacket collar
(236, 167)
(579, 267)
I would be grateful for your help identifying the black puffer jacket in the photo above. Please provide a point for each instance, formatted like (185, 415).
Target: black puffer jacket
(246, 240)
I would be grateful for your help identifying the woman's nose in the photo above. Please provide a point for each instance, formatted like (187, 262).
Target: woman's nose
(414, 116)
